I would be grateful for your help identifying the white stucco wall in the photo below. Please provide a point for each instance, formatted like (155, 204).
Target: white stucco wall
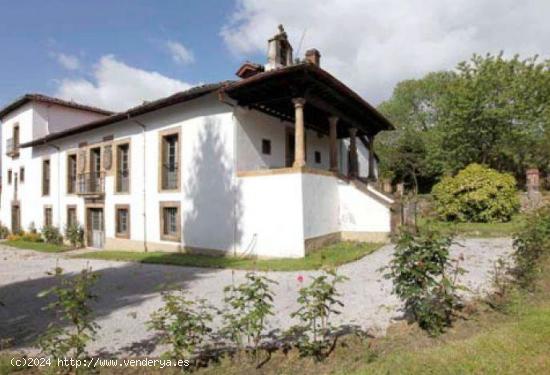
(321, 205)
(271, 216)
(253, 127)
(52, 118)
(361, 213)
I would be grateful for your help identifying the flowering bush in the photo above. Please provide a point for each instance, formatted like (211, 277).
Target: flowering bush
(318, 302)
(425, 279)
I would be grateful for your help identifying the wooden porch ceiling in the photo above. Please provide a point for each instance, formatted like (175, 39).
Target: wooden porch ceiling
(272, 93)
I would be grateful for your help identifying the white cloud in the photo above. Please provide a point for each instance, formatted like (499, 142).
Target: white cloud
(69, 62)
(373, 44)
(118, 86)
(180, 53)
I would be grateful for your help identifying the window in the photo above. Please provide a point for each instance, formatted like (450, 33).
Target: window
(122, 217)
(318, 157)
(9, 176)
(71, 174)
(170, 221)
(48, 217)
(16, 140)
(169, 161)
(266, 147)
(45, 177)
(71, 216)
(22, 174)
(123, 168)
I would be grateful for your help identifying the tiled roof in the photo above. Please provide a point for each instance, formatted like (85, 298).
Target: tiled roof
(179, 97)
(51, 100)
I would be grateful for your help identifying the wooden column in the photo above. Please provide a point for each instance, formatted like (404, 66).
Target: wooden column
(333, 121)
(299, 142)
(353, 168)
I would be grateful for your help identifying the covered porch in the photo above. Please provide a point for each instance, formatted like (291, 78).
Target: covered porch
(313, 101)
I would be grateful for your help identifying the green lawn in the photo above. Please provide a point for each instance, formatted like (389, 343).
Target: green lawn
(38, 246)
(520, 345)
(330, 256)
(479, 230)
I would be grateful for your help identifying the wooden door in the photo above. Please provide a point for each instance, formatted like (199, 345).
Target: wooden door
(15, 218)
(95, 227)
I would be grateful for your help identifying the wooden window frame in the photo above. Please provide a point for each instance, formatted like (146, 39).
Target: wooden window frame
(163, 134)
(44, 193)
(10, 176)
(22, 174)
(116, 155)
(16, 144)
(170, 204)
(68, 208)
(69, 156)
(44, 221)
(126, 234)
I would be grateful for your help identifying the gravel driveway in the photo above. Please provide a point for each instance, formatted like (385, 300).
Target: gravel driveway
(129, 292)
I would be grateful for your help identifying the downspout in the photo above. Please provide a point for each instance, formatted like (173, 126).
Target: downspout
(58, 149)
(144, 188)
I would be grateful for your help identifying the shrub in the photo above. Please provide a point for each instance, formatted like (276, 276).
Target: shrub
(13, 237)
(72, 305)
(75, 234)
(476, 194)
(425, 279)
(4, 232)
(52, 235)
(182, 324)
(31, 237)
(532, 246)
(318, 301)
(248, 307)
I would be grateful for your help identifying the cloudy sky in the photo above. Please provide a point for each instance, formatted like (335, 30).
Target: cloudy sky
(118, 54)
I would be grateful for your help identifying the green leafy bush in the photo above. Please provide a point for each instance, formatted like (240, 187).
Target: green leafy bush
(476, 194)
(75, 235)
(183, 324)
(4, 232)
(72, 304)
(52, 235)
(425, 279)
(248, 306)
(532, 245)
(318, 302)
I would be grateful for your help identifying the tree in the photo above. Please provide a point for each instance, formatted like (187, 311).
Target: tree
(489, 110)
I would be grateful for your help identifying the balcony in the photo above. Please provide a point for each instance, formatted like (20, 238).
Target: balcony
(12, 148)
(91, 184)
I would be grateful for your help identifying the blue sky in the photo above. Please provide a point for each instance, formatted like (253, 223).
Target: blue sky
(115, 54)
(35, 33)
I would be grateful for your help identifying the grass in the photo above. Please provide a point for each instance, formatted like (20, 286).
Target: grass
(37, 246)
(330, 256)
(475, 230)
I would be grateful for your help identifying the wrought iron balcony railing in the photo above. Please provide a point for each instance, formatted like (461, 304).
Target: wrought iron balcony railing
(91, 183)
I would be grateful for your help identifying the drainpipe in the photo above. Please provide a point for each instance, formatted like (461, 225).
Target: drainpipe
(144, 188)
(58, 149)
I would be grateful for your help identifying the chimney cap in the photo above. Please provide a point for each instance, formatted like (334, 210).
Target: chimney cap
(313, 52)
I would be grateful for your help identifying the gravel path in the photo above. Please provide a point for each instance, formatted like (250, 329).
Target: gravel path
(129, 292)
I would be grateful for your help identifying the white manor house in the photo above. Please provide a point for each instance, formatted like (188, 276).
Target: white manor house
(274, 164)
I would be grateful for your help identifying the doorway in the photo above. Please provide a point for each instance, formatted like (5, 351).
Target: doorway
(15, 218)
(95, 225)
(289, 147)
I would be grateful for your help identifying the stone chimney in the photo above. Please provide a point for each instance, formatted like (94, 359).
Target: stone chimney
(279, 51)
(313, 57)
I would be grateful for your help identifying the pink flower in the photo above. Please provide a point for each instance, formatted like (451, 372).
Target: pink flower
(300, 278)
